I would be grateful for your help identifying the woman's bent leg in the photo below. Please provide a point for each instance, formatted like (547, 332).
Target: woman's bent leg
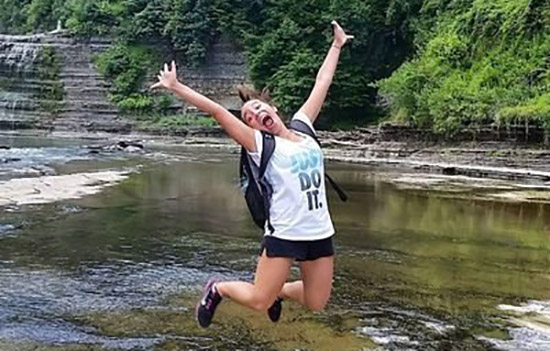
(271, 274)
(317, 282)
(293, 291)
(313, 291)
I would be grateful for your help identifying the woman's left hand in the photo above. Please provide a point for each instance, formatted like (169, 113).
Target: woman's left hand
(340, 37)
(168, 78)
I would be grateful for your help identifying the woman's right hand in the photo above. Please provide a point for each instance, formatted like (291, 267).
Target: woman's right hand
(340, 37)
(167, 77)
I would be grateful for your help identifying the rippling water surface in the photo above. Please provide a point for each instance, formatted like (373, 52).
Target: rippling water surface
(122, 270)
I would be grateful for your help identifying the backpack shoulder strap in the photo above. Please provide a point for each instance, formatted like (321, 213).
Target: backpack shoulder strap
(302, 127)
(268, 148)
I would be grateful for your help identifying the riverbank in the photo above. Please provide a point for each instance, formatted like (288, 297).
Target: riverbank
(504, 171)
(505, 160)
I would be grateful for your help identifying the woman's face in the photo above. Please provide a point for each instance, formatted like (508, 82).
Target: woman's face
(262, 116)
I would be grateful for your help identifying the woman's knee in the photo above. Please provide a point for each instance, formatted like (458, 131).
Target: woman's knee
(316, 305)
(261, 303)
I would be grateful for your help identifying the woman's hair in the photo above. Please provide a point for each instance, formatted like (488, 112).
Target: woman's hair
(247, 94)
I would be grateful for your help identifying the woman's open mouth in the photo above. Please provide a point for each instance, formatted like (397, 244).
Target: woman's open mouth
(267, 122)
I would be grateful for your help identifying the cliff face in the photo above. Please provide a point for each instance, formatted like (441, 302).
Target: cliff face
(224, 69)
(75, 97)
(86, 103)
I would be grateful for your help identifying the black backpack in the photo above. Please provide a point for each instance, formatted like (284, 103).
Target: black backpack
(257, 191)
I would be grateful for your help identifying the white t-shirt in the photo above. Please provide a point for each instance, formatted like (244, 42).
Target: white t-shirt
(296, 172)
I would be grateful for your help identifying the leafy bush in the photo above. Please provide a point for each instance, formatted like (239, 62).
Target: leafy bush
(13, 16)
(486, 63)
(43, 15)
(51, 90)
(126, 67)
(536, 110)
(174, 122)
(95, 17)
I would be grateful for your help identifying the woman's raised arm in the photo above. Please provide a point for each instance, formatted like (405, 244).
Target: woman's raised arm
(315, 101)
(234, 127)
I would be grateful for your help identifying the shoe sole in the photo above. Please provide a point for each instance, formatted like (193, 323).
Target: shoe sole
(207, 287)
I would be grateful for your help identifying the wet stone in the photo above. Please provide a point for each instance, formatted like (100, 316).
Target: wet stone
(6, 229)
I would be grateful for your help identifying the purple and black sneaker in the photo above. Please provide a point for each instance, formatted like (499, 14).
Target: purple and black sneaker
(208, 303)
(274, 312)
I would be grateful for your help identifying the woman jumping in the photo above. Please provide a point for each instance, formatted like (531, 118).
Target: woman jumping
(300, 229)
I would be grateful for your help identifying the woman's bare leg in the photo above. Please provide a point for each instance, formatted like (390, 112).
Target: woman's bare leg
(293, 291)
(271, 274)
(313, 291)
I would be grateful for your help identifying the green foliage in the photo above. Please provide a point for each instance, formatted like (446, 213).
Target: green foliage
(147, 20)
(191, 27)
(175, 122)
(143, 103)
(94, 17)
(13, 16)
(42, 15)
(486, 63)
(536, 110)
(51, 91)
(286, 42)
(126, 67)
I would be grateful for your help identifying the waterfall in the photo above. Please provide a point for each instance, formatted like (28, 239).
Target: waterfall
(19, 56)
(29, 85)
(18, 77)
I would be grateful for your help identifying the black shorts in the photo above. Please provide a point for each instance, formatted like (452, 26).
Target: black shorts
(308, 250)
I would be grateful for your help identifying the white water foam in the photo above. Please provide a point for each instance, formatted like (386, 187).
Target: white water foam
(533, 327)
(398, 329)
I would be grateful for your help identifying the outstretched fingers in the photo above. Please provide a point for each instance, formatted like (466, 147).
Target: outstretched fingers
(167, 77)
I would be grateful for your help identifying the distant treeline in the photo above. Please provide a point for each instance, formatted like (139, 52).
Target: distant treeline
(441, 64)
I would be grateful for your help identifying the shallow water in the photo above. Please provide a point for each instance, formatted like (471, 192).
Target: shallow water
(122, 269)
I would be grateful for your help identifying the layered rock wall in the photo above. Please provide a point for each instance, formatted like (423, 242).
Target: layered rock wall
(85, 105)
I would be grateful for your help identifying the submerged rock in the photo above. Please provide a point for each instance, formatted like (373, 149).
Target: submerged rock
(6, 228)
(126, 146)
(9, 160)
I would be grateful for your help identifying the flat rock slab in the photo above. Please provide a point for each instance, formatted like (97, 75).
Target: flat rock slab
(41, 190)
(469, 187)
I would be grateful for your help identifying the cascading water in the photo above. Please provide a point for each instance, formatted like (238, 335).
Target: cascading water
(48, 81)
(18, 86)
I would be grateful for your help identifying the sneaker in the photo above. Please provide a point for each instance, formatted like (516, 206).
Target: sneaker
(208, 303)
(274, 312)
